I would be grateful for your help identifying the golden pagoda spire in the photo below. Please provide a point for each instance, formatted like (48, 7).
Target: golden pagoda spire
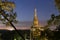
(35, 20)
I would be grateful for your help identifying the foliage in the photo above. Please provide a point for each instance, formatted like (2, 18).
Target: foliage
(54, 20)
(10, 15)
(57, 3)
(53, 34)
(7, 16)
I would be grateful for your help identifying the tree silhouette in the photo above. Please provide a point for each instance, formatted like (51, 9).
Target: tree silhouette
(57, 3)
(7, 16)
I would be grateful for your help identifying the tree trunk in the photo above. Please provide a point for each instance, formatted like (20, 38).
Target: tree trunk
(4, 15)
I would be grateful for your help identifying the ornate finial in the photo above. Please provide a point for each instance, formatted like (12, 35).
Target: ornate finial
(35, 12)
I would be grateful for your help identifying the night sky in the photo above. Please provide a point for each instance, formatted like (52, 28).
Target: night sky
(25, 9)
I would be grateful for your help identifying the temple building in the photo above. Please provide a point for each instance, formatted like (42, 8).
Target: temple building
(35, 28)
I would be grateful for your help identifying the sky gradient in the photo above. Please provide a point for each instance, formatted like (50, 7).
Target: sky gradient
(25, 9)
(25, 12)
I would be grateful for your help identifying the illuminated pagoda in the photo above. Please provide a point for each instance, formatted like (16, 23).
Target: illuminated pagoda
(35, 29)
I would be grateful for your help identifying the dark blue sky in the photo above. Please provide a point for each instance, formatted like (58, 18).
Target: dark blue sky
(25, 9)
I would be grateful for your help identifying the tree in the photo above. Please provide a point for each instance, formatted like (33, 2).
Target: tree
(50, 22)
(54, 20)
(7, 16)
(57, 3)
